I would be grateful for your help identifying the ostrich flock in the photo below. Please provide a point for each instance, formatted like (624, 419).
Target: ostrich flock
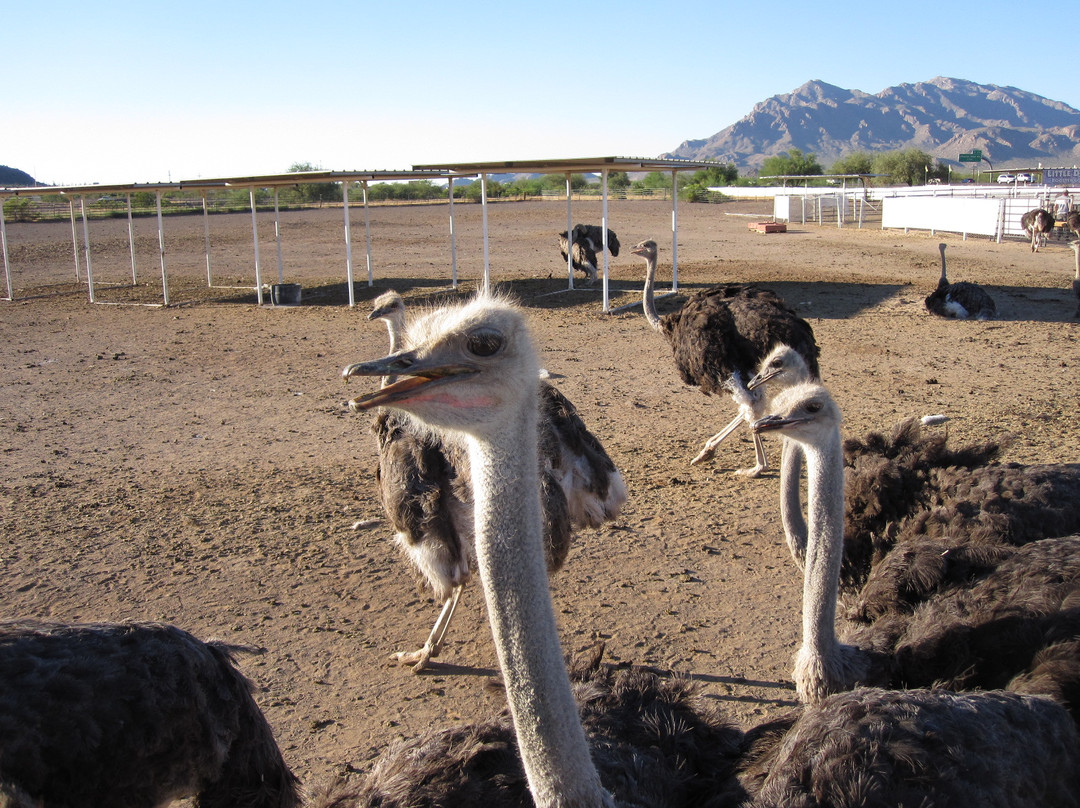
(939, 661)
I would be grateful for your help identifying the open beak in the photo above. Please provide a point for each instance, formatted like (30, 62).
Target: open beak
(770, 423)
(417, 374)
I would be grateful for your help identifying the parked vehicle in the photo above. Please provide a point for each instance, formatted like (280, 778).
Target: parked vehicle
(1004, 178)
(1024, 177)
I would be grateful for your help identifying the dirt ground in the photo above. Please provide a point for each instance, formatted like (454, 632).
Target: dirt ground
(195, 464)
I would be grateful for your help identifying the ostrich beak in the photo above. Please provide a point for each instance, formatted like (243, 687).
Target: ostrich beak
(771, 423)
(638, 250)
(763, 377)
(418, 373)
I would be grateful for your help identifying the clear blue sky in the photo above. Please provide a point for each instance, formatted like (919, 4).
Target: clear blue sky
(152, 91)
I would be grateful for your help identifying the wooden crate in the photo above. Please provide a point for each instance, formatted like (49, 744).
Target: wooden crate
(769, 227)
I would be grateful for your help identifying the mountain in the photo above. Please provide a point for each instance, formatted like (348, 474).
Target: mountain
(12, 177)
(942, 117)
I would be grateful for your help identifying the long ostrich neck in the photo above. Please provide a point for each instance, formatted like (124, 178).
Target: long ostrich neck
(648, 303)
(825, 547)
(510, 556)
(395, 325)
(791, 512)
(942, 281)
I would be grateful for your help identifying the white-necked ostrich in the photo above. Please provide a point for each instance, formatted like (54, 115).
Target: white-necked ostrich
(470, 378)
(720, 336)
(131, 715)
(1037, 224)
(426, 492)
(1076, 278)
(962, 301)
(587, 242)
(1019, 596)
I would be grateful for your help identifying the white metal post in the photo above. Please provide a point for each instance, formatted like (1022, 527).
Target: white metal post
(674, 231)
(569, 235)
(206, 239)
(367, 234)
(484, 216)
(3, 243)
(74, 238)
(161, 250)
(255, 236)
(277, 238)
(131, 240)
(86, 242)
(348, 243)
(603, 235)
(453, 237)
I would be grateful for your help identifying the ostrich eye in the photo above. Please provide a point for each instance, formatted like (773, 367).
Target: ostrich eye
(813, 406)
(485, 342)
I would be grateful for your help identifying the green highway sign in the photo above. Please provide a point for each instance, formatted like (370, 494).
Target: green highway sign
(971, 157)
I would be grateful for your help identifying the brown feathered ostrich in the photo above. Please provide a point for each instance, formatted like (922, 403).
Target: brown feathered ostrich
(587, 242)
(131, 715)
(720, 336)
(426, 491)
(981, 631)
(620, 742)
(962, 301)
(1037, 224)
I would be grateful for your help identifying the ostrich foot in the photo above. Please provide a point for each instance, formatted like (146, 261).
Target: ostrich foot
(418, 659)
(754, 472)
(709, 449)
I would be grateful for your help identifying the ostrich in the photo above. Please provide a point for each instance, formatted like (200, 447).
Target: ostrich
(425, 488)
(470, 376)
(1072, 223)
(1076, 278)
(962, 301)
(720, 336)
(587, 243)
(131, 715)
(1032, 584)
(1037, 223)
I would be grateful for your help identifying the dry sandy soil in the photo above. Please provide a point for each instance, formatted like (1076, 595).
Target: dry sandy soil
(195, 464)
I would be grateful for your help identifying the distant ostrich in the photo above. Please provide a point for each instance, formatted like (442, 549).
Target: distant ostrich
(131, 715)
(1033, 584)
(1076, 278)
(719, 338)
(962, 301)
(588, 243)
(470, 377)
(1037, 223)
(426, 491)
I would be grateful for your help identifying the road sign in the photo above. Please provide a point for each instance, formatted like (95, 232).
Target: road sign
(971, 157)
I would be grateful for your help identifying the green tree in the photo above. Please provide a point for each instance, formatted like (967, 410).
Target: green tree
(855, 163)
(310, 192)
(791, 162)
(907, 167)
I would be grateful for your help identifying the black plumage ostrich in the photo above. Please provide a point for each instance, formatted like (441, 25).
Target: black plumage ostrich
(426, 492)
(131, 715)
(631, 737)
(587, 242)
(977, 625)
(720, 336)
(1037, 224)
(962, 301)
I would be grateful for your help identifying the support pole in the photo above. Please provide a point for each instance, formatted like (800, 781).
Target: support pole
(484, 212)
(348, 244)
(74, 238)
(86, 242)
(603, 236)
(367, 234)
(161, 251)
(255, 237)
(277, 238)
(3, 244)
(206, 239)
(131, 240)
(674, 231)
(569, 235)
(453, 237)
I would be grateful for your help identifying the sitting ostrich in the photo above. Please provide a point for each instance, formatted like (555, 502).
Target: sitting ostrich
(618, 743)
(588, 243)
(131, 715)
(426, 494)
(963, 300)
(1037, 223)
(719, 338)
(1018, 605)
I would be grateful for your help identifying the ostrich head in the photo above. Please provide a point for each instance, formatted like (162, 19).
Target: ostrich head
(463, 368)
(646, 249)
(806, 413)
(784, 366)
(388, 306)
